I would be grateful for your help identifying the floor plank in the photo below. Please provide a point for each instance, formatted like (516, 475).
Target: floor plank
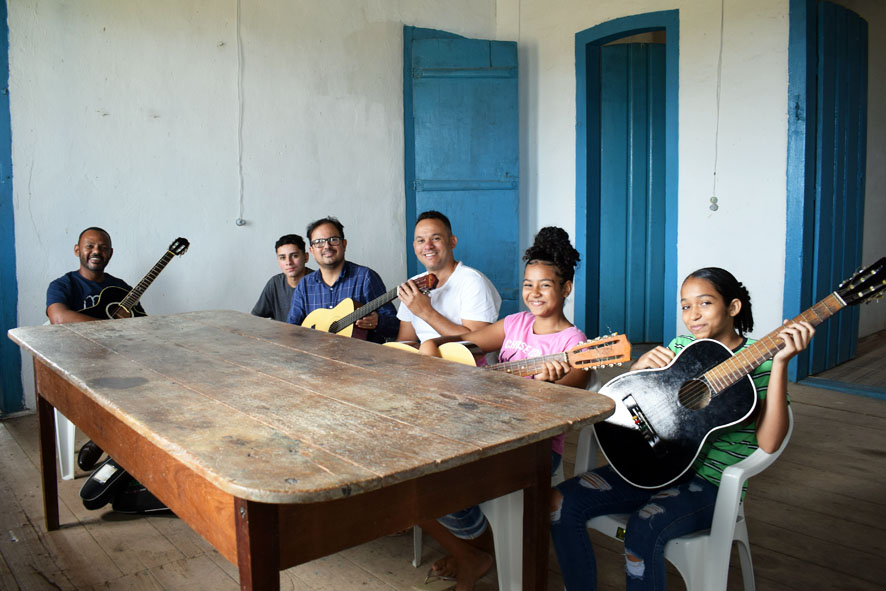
(180, 575)
(867, 368)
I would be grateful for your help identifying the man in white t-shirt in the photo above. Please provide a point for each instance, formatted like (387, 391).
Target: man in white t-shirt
(464, 299)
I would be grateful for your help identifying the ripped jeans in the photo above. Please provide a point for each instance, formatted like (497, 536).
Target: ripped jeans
(657, 516)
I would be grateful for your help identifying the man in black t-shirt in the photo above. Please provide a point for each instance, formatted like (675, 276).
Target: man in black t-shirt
(77, 290)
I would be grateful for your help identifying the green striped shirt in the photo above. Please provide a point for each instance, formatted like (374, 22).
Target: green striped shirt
(732, 445)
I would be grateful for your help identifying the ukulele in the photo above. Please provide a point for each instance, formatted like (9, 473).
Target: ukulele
(341, 318)
(116, 302)
(602, 351)
(664, 415)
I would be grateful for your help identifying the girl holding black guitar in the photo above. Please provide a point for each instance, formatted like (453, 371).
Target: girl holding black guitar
(714, 306)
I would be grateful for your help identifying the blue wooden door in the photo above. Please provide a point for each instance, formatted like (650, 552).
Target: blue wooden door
(841, 126)
(462, 150)
(11, 393)
(632, 192)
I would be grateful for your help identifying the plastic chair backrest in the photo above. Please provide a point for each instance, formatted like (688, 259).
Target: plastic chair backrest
(729, 507)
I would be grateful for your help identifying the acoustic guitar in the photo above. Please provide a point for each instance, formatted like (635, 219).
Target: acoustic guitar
(602, 351)
(663, 416)
(117, 302)
(341, 318)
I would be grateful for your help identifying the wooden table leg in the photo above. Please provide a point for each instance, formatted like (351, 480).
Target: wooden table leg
(536, 521)
(258, 545)
(46, 422)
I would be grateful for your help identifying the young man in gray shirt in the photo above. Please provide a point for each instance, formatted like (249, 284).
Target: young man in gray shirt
(276, 297)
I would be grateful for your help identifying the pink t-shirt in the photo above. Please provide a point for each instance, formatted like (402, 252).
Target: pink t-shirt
(521, 343)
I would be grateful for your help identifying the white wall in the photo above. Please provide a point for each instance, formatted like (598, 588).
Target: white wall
(873, 316)
(125, 115)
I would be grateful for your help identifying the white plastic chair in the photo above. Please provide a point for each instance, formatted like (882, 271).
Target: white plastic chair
(505, 516)
(701, 558)
(64, 440)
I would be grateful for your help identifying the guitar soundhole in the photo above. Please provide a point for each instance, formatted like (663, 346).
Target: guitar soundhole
(694, 395)
(116, 311)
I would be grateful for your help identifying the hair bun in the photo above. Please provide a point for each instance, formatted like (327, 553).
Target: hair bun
(552, 245)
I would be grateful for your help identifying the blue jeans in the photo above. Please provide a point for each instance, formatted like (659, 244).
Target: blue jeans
(657, 516)
(470, 523)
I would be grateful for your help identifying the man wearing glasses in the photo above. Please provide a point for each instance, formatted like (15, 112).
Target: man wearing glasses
(337, 279)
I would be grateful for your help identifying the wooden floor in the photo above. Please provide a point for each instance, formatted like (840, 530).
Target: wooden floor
(867, 369)
(817, 520)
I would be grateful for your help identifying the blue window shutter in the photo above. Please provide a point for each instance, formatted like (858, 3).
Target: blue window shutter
(462, 149)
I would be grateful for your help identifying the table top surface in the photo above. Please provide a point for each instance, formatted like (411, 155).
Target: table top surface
(276, 413)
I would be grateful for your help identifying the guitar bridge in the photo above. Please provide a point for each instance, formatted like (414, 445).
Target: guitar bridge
(643, 425)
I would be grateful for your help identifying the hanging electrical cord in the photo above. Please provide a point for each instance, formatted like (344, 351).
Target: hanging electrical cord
(239, 221)
(714, 199)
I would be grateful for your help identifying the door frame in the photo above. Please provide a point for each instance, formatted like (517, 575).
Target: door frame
(800, 228)
(11, 391)
(800, 178)
(587, 134)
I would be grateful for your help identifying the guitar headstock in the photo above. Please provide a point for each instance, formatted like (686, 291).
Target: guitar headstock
(179, 246)
(864, 285)
(606, 350)
(426, 283)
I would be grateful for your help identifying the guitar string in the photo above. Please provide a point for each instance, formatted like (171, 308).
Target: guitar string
(529, 366)
(144, 283)
(366, 309)
(538, 362)
(153, 273)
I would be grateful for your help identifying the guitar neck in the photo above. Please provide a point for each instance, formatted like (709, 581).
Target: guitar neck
(529, 367)
(362, 311)
(743, 363)
(132, 298)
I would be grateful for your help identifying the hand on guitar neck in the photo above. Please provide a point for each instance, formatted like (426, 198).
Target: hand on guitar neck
(600, 352)
(350, 319)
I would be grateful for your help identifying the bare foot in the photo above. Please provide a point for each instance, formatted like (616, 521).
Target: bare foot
(446, 567)
(470, 570)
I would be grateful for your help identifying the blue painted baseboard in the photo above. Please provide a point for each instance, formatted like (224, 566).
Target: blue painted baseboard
(858, 389)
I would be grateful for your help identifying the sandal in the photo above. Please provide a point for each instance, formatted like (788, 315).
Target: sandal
(431, 577)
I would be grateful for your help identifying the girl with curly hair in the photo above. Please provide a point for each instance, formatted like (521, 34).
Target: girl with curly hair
(542, 330)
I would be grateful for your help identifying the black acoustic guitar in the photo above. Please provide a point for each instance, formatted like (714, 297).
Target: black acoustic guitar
(117, 302)
(664, 415)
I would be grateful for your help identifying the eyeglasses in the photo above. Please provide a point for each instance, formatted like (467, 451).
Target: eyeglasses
(332, 240)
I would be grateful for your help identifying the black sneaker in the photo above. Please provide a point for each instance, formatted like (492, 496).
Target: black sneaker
(102, 485)
(89, 456)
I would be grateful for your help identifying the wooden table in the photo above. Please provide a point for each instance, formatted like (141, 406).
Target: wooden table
(279, 444)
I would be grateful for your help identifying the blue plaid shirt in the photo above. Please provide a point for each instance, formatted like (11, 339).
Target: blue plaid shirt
(357, 282)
